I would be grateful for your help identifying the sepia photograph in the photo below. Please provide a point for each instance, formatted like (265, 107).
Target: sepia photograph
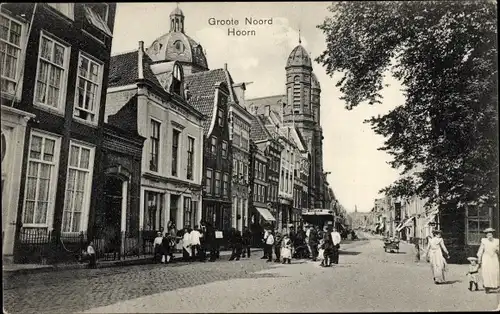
(250, 157)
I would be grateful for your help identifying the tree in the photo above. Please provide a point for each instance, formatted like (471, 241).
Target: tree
(444, 54)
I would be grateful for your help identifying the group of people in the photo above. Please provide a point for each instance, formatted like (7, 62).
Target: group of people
(485, 266)
(195, 243)
(308, 242)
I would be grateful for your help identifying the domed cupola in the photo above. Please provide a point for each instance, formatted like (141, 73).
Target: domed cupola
(299, 58)
(177, 46)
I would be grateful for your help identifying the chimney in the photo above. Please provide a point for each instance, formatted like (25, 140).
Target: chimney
(239, 90)
(225, 66)
(140, 57)
(268, 110)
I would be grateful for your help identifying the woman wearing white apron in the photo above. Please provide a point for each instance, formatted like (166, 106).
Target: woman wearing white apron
(488, 259)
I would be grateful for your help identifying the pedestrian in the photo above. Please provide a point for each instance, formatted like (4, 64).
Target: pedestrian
(166, 256)
(247, 241)
(328, 247)
(436, 254)
(336, 239)
(488, 259)
(321, 252)
(195, 242)
(269, 242)
(277, 246)
(157, 247)
(308, 233)
(286, 249)
(237, 245)
(264, 238)
(473, 273)
(91, 255)
(231, 239)
(186, 244)
(313, 243)
(210, 241)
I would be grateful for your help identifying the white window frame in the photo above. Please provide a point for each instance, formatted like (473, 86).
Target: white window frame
(20, 58)
(469, 241)
(193, 156)
(53, 179)
(64, 78)
(87, 189)
(179, 150)
(160, 137)
(97, 103)
(71, 9)
(210, 187)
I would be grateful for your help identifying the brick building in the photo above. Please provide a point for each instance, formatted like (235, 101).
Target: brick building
(61, 59)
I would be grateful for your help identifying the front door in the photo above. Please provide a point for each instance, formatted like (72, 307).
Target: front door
(111, 227)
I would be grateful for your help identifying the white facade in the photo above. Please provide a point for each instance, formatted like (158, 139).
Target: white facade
(13, 135)
(171, 160)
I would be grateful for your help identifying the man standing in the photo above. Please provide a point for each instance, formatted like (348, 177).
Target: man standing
(269, 242)
(308, 232)
(277, 246)
(336, 245)
(247, 241)
(266, 234)
(313, 243)
(195, 242)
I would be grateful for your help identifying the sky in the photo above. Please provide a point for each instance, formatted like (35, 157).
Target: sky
(357, 169)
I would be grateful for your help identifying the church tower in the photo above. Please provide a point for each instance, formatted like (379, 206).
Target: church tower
(303, 111)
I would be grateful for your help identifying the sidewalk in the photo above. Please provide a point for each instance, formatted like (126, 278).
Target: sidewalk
(16, 269)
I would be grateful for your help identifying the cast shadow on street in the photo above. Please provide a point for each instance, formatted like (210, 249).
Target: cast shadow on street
(451, 282)
(348, 253)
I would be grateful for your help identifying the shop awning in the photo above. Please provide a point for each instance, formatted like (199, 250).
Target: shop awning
(404, 224)
(265, 213)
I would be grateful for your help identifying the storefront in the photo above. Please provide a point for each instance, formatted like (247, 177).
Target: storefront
(13, 134)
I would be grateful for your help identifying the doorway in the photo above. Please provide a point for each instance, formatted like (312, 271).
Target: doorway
(111, 219)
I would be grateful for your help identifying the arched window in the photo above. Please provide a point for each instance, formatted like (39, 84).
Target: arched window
(177, 80)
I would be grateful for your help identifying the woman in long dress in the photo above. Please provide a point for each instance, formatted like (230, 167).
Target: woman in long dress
(488, 259)
(435, 250)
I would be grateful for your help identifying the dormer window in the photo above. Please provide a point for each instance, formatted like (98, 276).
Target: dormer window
(65, 8)
(177, 80)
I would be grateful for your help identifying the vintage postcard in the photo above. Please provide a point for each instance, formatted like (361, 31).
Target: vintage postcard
(194, 157)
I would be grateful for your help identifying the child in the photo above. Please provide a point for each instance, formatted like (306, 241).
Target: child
(286, 249)
(473, 273)
(91, 255)
(321, 252)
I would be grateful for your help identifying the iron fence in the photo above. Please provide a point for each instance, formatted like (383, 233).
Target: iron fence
(35, 245)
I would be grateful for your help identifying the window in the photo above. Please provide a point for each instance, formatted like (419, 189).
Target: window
(217, 183)
(190, 158)
(245, 172)
(78, 186)
(51, 73)
(478, 219)
(220, 117)
(244, 142)
(188, 212)
(175, 150)
(213, 145)
(88, 87)
(296, 92)
(101, 9)
(10, 54)
(255, 192)
(155, 145)
(177, 80)
(263, 172)
(41, 179)
(236, 140)
(65, 8)
(208, 183)
(235, 167)
(225, 185)
(153, 219)
(224, 149)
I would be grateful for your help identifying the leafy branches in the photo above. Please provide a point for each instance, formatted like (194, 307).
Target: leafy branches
(444, 54)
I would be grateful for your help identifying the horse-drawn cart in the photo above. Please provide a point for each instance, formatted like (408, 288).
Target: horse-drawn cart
(391, 245)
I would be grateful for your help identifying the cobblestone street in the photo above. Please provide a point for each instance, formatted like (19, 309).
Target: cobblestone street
(366, 278)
